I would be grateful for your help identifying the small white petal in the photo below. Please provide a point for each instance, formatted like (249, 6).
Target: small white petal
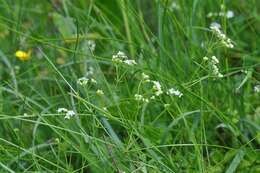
(62, 110)
(215, 24)
(69, 114)
(257, 88)
(230, 14)
(130, 62)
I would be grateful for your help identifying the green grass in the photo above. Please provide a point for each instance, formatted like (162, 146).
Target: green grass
(213, 128)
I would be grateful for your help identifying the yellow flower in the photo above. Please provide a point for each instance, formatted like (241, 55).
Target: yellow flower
(23, 56)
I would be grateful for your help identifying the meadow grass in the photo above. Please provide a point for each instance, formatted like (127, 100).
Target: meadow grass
(130, 86)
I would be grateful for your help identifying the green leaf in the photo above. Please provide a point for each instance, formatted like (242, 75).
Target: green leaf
(235, 162)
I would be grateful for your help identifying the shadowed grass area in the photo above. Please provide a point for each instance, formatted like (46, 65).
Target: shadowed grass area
(129, 86)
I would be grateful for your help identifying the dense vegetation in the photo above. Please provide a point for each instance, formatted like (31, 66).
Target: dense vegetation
(130, 86)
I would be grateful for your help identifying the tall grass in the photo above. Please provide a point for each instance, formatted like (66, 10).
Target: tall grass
(169, 112)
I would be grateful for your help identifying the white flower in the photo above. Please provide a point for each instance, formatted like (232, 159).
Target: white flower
(157, 85)
(146, 100)
(215, 70)
(90, 71)
(91, 45)
(212, 62)
(120, 57)
(215, 24)
(93, 81)
(174, 5)
(202, 44)
(223, 38)
(159, 92)
(215, 29)
(221, 14)
(62, 110)
(157, 88)
(211, 14)
(152, 97)
(69, 114)
(116, 59)
(230, 14)
(229, 43)
(205, 58)
(82, 81)
(100, 92)
(220, 75)
(257, 88)
(145, 77)
(129, 62)
(139, 97)
(175, 92)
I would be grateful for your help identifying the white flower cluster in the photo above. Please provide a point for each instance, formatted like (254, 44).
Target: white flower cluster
(90, 71)
(213, 61)
(229, 14)
(91, 45)
(68, 113)
(145, 77)
(157, 88)
(120, 57)
(257, 88)
(62, 110)
(224, 39)
(139, 97)
(174, 6)
(173, 91)
(215, 24)
(84, 81)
